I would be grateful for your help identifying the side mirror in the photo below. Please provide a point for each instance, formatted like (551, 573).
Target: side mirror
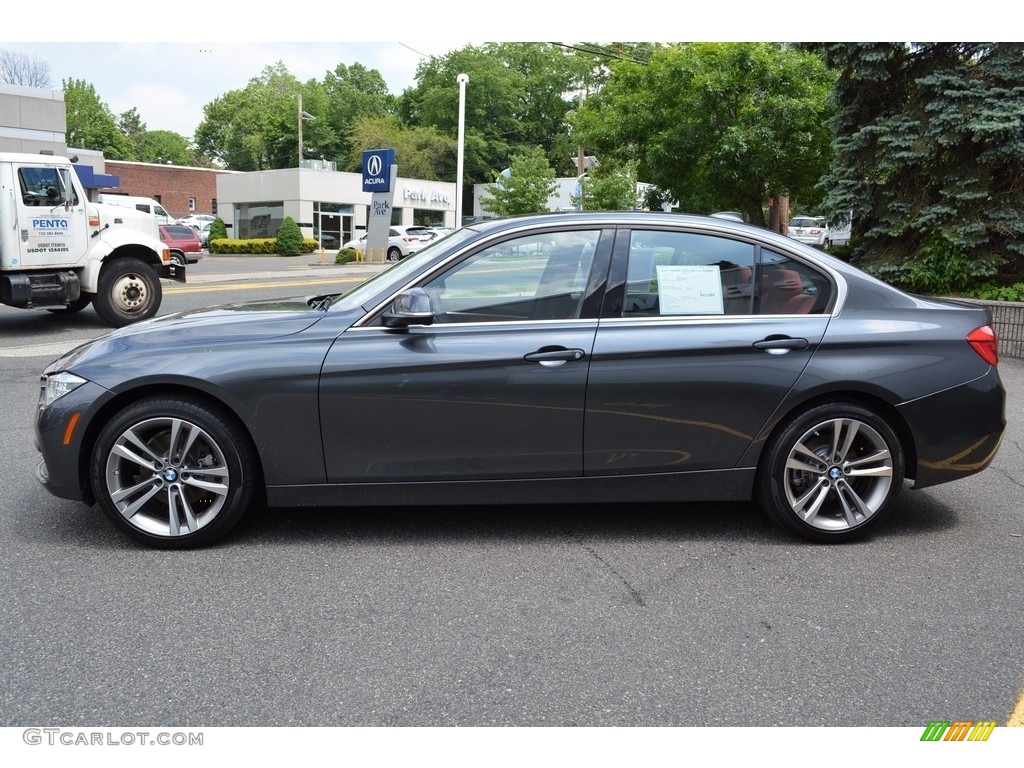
(411, 307)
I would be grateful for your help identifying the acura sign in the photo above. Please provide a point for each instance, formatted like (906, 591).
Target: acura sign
(377, 169)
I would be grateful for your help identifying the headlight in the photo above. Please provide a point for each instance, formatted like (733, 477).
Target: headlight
(57, 385)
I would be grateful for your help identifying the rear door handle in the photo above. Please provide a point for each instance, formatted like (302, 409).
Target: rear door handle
(780, 345)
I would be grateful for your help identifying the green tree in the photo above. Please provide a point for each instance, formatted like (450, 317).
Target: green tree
(609, 187)
(255, 128)
(929, 157)
(526, 189)
(91, 124)
(517, 98)
(354, 93)
(289, 238)
(716, 125)
(165, 147)
(421, 153)
(131, 125)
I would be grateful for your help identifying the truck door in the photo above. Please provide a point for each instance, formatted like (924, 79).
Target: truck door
(51, 218)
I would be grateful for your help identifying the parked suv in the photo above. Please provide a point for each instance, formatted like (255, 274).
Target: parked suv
(184, 242)
(812, 230)
(401, 242)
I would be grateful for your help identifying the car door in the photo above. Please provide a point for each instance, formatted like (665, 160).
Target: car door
(493, 388)
(701, 337)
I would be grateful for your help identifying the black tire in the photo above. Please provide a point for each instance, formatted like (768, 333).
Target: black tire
(178, 259)
(83, 301)
(165, 498)
(832, 473)
(129, 291)
(394, 253)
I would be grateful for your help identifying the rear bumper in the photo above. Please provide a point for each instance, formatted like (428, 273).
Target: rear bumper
(966, 439)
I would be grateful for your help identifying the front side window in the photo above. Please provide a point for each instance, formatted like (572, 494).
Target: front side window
(687, 273)
(42, 186)
(537, 277)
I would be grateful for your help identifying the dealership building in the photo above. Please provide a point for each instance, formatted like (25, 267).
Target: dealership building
(322, 200)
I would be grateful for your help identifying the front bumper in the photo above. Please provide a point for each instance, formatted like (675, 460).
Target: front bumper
(62, 437)
(172, 272)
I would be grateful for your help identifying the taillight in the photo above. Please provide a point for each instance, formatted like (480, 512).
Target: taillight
(983, 341)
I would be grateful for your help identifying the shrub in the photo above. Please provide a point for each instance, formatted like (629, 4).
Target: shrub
(218, 231)
(346, 255)
(260, 245)
(289, 238)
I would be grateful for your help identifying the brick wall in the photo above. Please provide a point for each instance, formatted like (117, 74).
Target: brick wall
(172, 185)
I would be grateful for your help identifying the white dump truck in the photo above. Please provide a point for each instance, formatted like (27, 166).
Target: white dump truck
(61, 252)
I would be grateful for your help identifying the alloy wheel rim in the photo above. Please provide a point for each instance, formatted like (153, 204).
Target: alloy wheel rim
(167, 476)
(838, 474)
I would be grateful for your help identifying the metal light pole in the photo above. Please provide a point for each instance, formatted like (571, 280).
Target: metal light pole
(461, 80)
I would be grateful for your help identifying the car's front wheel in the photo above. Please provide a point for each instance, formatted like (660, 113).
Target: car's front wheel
(394, 253)
(832, 473)
(173, 472)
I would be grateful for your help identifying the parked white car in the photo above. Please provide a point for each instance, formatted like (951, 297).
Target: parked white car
(401, 242)
(811, 230)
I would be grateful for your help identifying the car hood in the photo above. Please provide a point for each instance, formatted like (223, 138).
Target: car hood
(227, 323)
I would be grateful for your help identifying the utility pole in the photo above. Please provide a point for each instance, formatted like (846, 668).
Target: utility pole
(302, 116)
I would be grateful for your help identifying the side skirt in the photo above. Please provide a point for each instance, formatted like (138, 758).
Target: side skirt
(720, 485)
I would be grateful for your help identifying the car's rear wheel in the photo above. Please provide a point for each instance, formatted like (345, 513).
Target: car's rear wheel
(173, 472)
(832, 473)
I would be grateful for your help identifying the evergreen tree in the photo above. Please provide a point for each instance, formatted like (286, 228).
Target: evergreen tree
(929, 158)
(289, 238)
(218, 231)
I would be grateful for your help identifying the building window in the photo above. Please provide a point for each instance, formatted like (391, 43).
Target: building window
(213, 206)
(192, 204)
(157, 198)
(259, 219)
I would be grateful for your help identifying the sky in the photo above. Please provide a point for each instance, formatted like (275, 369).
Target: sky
(152, 60)
(169, 83)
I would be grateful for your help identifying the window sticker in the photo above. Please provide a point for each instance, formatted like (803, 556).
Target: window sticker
(690, 290)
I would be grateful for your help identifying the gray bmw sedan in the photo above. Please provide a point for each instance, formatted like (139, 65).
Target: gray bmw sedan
(601, 357)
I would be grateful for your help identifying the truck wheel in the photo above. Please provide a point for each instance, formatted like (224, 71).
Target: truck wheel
(129, 291)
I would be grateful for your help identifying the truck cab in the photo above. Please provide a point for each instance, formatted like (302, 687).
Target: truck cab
(58, 250)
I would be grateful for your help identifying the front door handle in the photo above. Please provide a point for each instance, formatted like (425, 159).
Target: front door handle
(554, 355)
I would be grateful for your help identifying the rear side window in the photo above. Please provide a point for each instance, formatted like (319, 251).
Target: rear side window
(181, 233)
(788, 287)
(686, 273)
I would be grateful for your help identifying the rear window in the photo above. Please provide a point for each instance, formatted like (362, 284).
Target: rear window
(805, 222)
(181, 233)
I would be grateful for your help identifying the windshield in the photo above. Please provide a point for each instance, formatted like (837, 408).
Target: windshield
(365, 291)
